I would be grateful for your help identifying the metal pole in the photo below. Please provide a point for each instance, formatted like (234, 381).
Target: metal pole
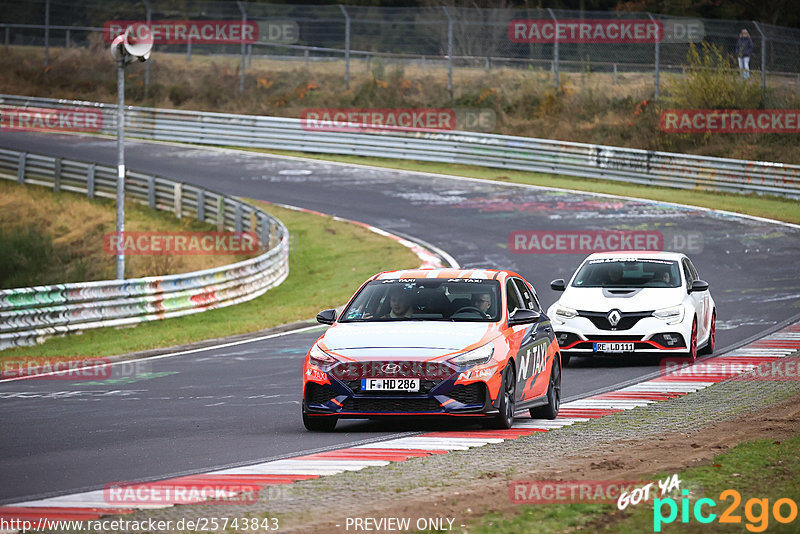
(148, 12)
(656, 82)
(8, 36)
(66, 39)
(555, 46)
(449, 50)
(120, 165)
(244, 48)
(189, 49)
(346, 46)
(47, 33)
(763, 61)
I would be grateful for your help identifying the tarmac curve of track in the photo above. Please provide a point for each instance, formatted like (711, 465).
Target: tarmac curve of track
(240, 404)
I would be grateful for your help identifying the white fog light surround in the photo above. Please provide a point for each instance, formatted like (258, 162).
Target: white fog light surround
(477, 356)
(672, 315)
(320, 358)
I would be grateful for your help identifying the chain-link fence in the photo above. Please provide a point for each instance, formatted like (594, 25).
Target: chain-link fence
(550, 41)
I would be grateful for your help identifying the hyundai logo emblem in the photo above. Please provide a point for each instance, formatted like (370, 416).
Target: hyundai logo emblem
(613, 317)
(390, 368)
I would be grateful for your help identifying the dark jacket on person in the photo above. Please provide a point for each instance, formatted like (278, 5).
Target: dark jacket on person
(744, 47)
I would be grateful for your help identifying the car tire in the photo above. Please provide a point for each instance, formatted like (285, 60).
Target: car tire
(322, 423)
(692, 354)
(712, 335)
(506, 401)
(550, 410)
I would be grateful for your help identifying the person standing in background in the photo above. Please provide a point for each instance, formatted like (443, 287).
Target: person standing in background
(744, 49)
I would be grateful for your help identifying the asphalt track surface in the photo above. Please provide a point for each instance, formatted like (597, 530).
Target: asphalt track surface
(240, 404)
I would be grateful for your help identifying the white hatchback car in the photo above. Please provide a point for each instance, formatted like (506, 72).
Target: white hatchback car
(634, 302)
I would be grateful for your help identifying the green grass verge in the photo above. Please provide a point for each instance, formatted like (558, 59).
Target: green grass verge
(328, 260)
(760, 469)
(772, 207)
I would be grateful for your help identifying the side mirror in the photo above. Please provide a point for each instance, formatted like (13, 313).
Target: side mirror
(558, 285)
(698, 285)
(523, 317)
(326, 316)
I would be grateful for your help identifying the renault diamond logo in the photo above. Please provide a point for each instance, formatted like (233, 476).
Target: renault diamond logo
(613, 317)
(390, 368)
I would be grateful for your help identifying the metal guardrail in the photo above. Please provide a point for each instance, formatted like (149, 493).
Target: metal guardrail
(29, 314)
(488, 150)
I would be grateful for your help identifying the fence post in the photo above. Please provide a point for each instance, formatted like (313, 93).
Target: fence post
(763, 61)
(656, 81)
(90, 180)
(237, 221)
(66, 39)
(249, 55)
(147, 63)
(305, 56)
(346, 46)
(47, 33)
(244, 46)
(264, 237)
(8, 36)
(449, 50)
(189, 49)
(56, 175)
(615, 74)
(220, 213)
(555, 46)
(23, 158)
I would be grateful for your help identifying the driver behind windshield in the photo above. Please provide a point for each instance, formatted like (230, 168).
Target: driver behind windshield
(482, 301)
(399, 304)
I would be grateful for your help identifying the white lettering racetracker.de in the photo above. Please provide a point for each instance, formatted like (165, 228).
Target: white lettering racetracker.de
(398, 524)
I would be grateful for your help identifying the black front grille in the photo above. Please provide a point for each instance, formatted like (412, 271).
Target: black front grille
(372, 405)
(318, 394)
(425, 386)
(391, 369)
(469, 394)
(627, 320)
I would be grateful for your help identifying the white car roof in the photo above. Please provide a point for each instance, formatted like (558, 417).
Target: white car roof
(643, 254)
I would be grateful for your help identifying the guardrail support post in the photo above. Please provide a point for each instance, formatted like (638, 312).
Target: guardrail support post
(90, 180)
(23, 157)
(555, 47)
(188, 49)
(201, 205)
(151, 192)
(8, 36)
(178, 200)
(346, 47)
(66, 39)
(237, 222)
(220, 214)
(264, 236)
(449, 51)
(273, 235)
(56, 175)
(615, 74)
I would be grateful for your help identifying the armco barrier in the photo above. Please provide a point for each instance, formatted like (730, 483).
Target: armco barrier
(490, 150)
(31, 313)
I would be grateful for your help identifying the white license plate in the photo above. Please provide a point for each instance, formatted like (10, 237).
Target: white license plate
(390, 384)
(613, 347)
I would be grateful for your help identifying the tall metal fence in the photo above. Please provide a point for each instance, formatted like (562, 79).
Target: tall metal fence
(30, 314)
(431, 37)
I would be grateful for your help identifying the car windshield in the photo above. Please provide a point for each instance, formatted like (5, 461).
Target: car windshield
(628, 273)
(426, 299)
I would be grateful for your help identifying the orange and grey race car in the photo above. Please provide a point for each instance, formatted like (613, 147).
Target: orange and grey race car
(447, 342)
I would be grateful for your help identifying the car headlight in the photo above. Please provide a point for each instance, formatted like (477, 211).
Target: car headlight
(320, 358)
(477, 356)
(562, 312)
(673, 315)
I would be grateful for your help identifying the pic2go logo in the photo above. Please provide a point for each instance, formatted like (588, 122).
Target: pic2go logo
(756, 511)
